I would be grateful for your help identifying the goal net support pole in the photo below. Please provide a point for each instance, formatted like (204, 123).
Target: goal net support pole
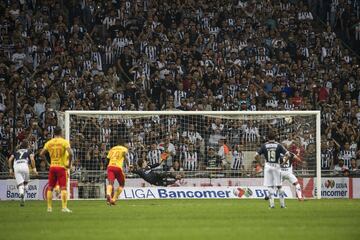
(318, 154)
(67, 137)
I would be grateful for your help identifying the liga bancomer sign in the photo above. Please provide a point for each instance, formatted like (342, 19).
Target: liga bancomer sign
(37, 189)
(9, 190)
(198, 192)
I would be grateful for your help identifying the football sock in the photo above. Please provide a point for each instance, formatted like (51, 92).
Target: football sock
(281, 197)
(49, 198)
(21, 189)
(117, 193)
(298, 190)
(271, 196)
(64, 198)
(109, 190)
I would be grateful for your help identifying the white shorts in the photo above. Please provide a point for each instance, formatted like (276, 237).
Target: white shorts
(272, 175)
(288, 175)
(21, 172)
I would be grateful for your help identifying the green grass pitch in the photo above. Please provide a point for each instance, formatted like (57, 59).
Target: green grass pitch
(182, 219)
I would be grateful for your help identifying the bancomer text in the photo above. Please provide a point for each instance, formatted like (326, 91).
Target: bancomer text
(163, 193)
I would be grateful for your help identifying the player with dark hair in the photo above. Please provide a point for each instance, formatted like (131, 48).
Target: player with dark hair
(60, 160)
(272, 151)
(116, 158)
(287, 173)
(19, 166)
(147, 173)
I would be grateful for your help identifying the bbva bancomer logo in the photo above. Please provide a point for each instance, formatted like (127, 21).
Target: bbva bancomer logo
(239, 192)
(329, 183)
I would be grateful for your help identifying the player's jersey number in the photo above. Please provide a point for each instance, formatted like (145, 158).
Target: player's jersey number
(115, 155)
(55, 152)
(21, 155)
(271, 156)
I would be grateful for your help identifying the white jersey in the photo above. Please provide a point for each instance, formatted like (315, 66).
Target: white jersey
(190, 160)
(237, 159)
(287, 167)
(287, 172)
(154, 156)
(347, 155)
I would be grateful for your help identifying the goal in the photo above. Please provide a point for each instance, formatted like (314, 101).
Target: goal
(204, 146)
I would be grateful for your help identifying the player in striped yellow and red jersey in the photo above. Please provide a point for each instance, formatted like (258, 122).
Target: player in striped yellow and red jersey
(116, 158)
(60, 160)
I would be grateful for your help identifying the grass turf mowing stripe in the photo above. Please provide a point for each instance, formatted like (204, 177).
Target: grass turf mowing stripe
(182, 219)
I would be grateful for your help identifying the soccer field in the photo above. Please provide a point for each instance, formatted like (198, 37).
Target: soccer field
(182, 219)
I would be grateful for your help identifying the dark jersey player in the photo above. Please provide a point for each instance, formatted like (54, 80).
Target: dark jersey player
(272, 152)
(19, 163)
(156, 178)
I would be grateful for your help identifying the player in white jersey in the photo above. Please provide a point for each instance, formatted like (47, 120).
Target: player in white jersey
(19, 166)
(272, 151)
(288, 175)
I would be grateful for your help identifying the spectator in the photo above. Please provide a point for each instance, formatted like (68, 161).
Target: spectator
(216, 131)
(190, 158)
(212, 159)
(176, 167)
(169, 149)
(340, 168)
(354, 168)
(346, 154)
(237, 158)
(154, 155)
(224, 153)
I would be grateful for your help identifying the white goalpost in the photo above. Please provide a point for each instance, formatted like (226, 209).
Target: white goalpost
(222, 144)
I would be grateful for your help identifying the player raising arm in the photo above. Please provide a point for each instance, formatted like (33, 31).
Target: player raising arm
(19, 165)
(272, 173)
(287, 173)
(116, 158)
(60, 160)
(155, 178)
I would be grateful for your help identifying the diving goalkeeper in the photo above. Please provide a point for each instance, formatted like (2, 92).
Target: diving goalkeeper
(147, 173)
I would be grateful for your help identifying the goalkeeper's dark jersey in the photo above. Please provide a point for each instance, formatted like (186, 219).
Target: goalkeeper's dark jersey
(154, 177)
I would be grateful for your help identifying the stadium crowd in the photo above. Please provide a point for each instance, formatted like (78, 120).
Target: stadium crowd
(185, 55)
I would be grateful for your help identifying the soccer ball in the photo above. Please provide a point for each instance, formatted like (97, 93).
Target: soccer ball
(288, 120)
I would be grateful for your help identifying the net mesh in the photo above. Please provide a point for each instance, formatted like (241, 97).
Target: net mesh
(198, 146)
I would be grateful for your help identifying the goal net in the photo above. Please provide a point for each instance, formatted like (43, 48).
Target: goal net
(205, 147)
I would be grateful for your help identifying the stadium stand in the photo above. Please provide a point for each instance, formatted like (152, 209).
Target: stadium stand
(185, 55)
